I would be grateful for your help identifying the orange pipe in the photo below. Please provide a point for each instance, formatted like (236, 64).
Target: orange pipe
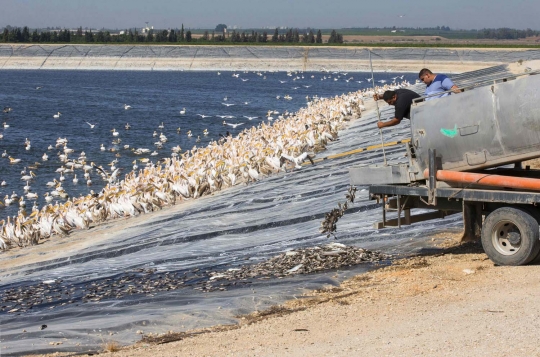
(523, 183)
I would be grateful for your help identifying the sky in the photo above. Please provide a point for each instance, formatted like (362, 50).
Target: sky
(163, 14)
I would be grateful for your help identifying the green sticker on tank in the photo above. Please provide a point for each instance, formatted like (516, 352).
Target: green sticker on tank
(450, 132)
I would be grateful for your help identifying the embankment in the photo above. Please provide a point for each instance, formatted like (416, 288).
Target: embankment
(183, 57)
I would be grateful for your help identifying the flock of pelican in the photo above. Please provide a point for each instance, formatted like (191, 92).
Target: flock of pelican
(253, 154)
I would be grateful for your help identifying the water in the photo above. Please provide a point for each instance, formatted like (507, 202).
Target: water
(98, 97)
(241, 225)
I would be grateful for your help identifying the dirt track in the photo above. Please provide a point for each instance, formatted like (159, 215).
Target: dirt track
(456, 303)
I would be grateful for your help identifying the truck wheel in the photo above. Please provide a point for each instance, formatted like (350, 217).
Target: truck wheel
(510, 236)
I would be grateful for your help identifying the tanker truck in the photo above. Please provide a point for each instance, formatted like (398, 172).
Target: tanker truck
(465, 154)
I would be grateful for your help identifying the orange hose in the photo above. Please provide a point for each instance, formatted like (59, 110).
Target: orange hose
(524, 183)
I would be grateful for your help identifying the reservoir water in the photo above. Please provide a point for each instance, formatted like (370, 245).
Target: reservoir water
(242, 225)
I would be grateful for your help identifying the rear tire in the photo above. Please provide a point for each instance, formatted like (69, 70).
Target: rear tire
(510, 236)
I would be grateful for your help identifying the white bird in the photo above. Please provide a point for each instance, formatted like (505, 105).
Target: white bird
(102, 147)
(114, 132)
(57, 115)
(45, 157)
(183, 111)
(296, 160)
(227, 104)
(91, 125)
(250, 118)
(75, 179)
(161, 126)
(127, 107)
(204, 116)
(234, 125)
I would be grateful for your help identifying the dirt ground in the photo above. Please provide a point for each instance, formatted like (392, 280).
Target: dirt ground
(453, 303)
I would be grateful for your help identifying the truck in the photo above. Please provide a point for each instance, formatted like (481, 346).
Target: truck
(465, 154)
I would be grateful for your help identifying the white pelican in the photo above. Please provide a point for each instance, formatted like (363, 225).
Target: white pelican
(3, 183)
(189, 133)
(183, 111)
(28, 177)
(5, 154)
(48, 197)
(6, 125)
(14, 161)
(205, 132)
(114, 132)
(127, 107)
(91, 125)
(62, 178)
(57, 115)
(161, 126)
(127, 126)
(45, 157)
(234, 125)
(75, 179)
(31, 195)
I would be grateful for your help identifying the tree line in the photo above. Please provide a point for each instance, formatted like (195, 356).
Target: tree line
(506, 33)
(25, 35)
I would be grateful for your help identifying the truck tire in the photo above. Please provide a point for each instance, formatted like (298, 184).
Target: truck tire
(510, 236)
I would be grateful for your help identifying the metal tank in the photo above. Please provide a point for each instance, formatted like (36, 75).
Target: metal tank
(489, 124)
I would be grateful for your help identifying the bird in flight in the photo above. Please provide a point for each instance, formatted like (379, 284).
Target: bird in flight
(204, 116)
(234, 125)
(306, 86)
(91, 125)
(227, 104)
(250, 118)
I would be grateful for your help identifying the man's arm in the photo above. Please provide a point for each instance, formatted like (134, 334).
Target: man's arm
(447, 84)
(384, 124)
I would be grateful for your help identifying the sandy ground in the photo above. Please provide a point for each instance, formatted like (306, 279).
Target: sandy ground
(451, 303)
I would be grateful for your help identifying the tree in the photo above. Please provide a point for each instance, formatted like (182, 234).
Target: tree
(172, 36)
(88, 36)
(221, 28)
(205, 36)
(311, 37)
(296, 36)
(275, 37)
(35, 36)
(79, 32)
(182, 38)
(26, 34)
(319, 37)
(188, 36)
(264, 37)
(5, 35)
(333, 37)
(100, 37)
(150, 36)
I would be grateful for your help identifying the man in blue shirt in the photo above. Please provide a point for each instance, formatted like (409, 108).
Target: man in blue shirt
(437, 83)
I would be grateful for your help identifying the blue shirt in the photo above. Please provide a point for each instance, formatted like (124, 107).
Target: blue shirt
(440, 84)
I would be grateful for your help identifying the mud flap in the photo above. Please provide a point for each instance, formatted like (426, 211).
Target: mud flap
(472, 221)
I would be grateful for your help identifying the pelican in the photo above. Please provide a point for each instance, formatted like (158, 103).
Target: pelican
(14, 161)
(204, 116)
(5, 154)
(48, 197)
(102, 148)
(28, 177)
(114, 132)
(127, 126)
(198, 139)
(161, 126)
(3, 183)
(183, 111)
(227, 104)
(189, 133)
(75, 179)
(45, 157)
(6, 125)
(205, 132)
(57, 115)
(31, 195)
(91, 125)
(127, 107)
(234, 125)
